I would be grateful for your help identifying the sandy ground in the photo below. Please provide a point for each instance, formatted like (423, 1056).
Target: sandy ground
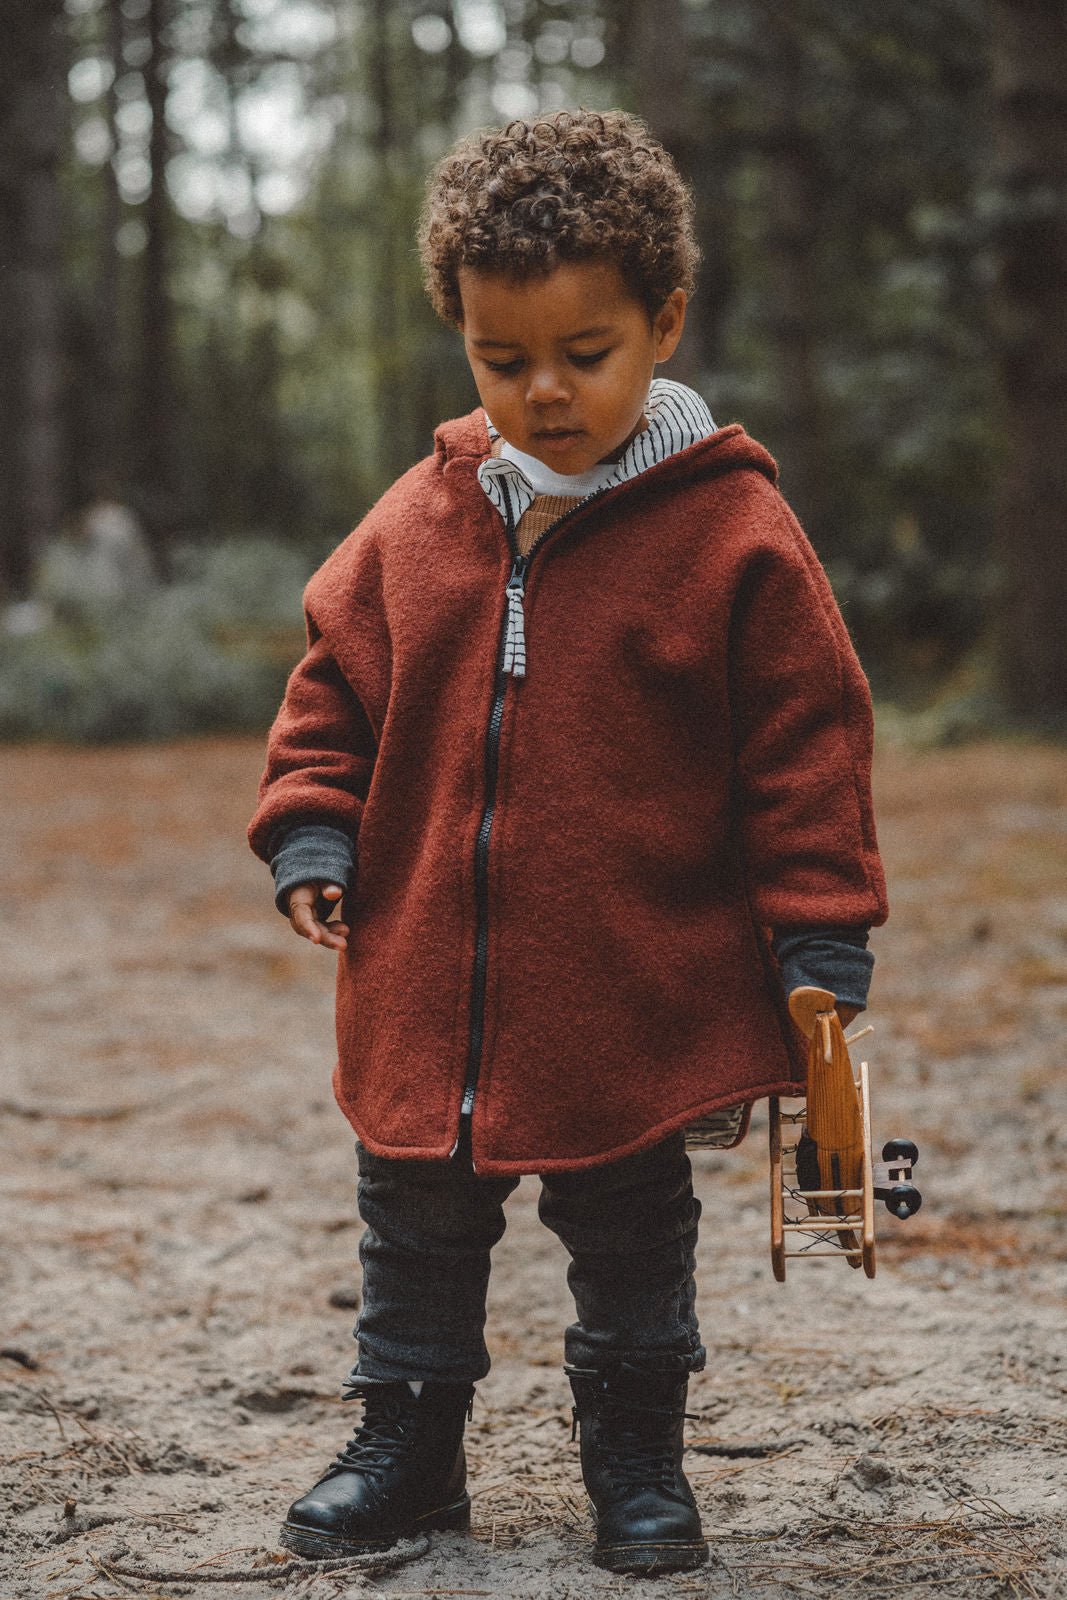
(179, 1231)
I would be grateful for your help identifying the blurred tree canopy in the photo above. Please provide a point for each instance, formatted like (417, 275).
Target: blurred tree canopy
(213, 312)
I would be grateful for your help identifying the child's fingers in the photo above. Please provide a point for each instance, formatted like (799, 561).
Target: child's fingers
(332, 935)
(302, 916)
(303, 904)
(326, 904)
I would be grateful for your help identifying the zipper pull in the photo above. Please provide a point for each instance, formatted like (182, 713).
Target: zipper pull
(515, 638)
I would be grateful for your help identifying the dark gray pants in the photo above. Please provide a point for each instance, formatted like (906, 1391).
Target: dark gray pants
(630, 1228)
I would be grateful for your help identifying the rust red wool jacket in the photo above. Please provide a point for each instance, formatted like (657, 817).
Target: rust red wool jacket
(565, 880)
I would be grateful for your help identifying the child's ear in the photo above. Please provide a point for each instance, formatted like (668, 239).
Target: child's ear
(668, 323)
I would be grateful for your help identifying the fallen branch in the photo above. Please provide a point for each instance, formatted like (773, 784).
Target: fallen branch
(32, 1113)
(750, 1448)
(21, 1358)
(107, 1571)
(373, 1561)
(72, 1526)
(74, 1113)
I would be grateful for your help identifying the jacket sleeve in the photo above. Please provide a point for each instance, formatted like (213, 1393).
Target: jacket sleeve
(826, 958)
(803, 736)
(320, 754)
(311, 852)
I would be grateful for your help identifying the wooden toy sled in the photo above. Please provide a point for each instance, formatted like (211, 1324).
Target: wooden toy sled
(824, 1180)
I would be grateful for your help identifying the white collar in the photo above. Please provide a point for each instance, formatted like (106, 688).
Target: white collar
(543, 480)
(677, 418)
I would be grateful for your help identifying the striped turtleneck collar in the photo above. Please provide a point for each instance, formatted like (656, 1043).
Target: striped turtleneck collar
(677, 418)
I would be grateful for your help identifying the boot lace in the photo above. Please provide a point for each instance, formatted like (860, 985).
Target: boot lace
(634, 1452)
(382, 1438)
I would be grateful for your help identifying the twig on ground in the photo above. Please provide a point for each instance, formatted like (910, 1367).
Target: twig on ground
(22, 1358)
(109, 1572)
(754, 1448)
(375, 1561)
(114, 1113)
(73, 1526)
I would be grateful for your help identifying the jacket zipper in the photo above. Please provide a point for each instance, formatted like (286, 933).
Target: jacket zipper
(511, 663)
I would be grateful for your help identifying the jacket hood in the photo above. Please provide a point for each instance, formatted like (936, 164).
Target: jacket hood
(466, 441)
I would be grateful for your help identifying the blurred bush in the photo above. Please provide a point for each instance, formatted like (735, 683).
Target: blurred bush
(208, 652)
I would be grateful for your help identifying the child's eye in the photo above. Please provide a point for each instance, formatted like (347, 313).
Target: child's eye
(506, 369)
(590, 360)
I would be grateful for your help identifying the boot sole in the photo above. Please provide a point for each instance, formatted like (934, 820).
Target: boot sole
(319, 1546)
(648, 1559)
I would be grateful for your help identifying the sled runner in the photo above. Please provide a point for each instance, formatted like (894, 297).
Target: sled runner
(824, 1179)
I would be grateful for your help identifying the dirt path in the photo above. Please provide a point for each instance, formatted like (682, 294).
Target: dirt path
(179, 1235)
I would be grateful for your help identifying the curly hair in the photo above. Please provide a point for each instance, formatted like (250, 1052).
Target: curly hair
(571, 186)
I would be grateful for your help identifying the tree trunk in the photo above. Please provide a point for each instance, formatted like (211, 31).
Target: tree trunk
(392, 382)
(13, 542)
(111, 443)
(790, 237)
(659, 59)
(31, 135)
(1030, 91)
(157, 416)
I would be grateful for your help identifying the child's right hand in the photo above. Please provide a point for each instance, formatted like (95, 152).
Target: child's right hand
(309, 906)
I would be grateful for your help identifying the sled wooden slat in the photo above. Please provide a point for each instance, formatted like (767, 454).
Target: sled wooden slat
(826, 1194)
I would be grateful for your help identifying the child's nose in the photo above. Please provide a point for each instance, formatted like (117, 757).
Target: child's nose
(547, 386)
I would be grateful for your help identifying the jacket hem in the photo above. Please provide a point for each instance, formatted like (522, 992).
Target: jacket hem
(490, 1166)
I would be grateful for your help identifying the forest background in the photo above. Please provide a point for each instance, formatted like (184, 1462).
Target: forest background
(215, 351)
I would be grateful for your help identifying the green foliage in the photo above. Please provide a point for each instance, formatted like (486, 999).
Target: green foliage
(844, 159)
(841, 160)
(207, 652)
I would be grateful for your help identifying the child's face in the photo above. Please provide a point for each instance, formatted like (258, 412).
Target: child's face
(563, 360)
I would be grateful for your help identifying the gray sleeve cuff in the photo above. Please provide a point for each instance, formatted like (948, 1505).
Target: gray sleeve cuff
(826, 958)
(310, 853)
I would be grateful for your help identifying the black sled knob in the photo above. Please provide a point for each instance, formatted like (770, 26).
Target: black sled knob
(903, 1200)
(899, 1151)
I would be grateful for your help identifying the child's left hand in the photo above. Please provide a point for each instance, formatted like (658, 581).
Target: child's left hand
(310, 905)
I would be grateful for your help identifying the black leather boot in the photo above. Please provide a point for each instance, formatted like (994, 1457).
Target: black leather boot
(403, 1472)
(631, 1431)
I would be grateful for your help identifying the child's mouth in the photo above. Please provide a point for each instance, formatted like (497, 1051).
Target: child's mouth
(558, 438)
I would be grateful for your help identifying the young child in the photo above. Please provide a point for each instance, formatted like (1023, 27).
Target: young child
(582, 747)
